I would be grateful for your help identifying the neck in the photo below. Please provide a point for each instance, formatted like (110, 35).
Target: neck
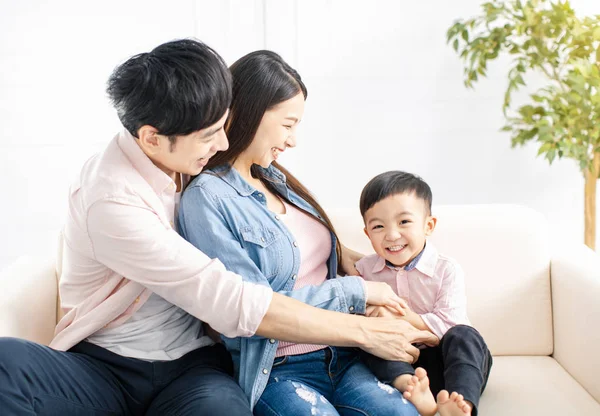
(243, 167)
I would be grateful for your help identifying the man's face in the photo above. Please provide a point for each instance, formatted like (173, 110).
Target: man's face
(189, 154)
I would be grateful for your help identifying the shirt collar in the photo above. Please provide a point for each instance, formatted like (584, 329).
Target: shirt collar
(158, 180)
(235, 180)
(424, 262)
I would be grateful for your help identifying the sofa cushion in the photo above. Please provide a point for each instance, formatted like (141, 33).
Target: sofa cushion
(534, 386)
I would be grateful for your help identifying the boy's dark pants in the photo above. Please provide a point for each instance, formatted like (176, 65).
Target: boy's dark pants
(461, 363)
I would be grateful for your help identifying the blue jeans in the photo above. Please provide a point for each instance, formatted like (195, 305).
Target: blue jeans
(331, 381)
(92, 381)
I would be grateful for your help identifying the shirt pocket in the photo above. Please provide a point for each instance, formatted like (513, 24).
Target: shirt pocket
(264, 246)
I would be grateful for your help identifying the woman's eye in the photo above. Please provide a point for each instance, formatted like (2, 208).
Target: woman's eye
(288, 127)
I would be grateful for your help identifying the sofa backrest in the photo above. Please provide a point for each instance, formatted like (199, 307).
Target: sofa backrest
(505, 253)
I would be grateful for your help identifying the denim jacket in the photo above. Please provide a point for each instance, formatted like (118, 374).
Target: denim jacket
(225, 217)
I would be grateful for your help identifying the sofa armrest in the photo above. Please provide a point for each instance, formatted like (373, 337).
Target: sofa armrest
(575, 276)
(28, 292)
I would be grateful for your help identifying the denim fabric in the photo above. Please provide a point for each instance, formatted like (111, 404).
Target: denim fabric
(331, 381)
(461, 363)
(90, 380)
(225, 217)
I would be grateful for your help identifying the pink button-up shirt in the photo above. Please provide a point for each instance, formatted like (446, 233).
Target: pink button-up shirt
(120, 247)
(434, 288)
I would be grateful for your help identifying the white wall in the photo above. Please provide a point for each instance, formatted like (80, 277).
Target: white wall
(385, 92)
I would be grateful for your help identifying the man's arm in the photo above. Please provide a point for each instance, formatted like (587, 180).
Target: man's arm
(131, 240)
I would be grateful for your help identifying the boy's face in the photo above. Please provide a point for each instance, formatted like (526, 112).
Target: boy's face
(397, 227)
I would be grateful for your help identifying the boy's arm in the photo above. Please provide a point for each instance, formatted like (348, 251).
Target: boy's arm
(450, 307)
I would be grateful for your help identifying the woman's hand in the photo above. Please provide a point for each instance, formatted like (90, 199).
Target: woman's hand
(381, 294)
(374, 311)
(349, 259)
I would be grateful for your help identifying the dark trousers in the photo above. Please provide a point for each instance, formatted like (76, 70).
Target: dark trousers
(89, 380)
(461, 363)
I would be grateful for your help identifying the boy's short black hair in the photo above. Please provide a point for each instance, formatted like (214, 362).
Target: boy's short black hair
(392, 183)
(178, 88)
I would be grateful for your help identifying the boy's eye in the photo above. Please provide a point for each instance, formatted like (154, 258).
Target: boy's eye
(404, 222)
(377, 227)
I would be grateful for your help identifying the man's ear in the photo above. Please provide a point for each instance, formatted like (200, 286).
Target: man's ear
(149, 139)
(430, 225)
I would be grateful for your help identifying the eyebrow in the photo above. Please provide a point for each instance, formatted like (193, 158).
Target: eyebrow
(292, 118)
(211, 132)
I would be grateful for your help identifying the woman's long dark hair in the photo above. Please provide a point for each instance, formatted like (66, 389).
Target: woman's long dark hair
(262, 80)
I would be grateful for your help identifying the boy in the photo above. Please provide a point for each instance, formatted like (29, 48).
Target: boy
(396, 209)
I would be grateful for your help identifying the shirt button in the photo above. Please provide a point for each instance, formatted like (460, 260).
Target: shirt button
(295, 244)
(265, 371)
(171, 185)
(351, 308)
(294, 277)
(277, 217)
(262, 239)
(272, 341)
(137, 300)
(172, 224)
(260, 195)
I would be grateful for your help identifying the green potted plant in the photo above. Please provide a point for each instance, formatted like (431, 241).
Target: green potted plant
(563, 116)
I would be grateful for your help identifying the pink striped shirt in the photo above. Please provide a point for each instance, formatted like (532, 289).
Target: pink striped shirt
(434, 288)
(120, 247)
(314, 243)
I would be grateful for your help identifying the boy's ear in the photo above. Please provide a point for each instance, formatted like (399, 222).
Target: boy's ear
(430, 225)
(365, 230)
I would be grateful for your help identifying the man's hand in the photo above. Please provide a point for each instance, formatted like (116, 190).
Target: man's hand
(392, 339)
(381, 294)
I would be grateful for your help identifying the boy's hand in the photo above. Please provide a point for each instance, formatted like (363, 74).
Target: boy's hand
(381, 294)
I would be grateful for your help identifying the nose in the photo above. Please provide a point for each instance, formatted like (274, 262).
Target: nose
(291, 140)
(392, 235)
(222, 143)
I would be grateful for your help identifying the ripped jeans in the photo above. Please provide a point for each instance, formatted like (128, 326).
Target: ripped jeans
(332, 381)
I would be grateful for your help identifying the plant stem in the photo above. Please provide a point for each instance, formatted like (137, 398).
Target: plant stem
(591, 180)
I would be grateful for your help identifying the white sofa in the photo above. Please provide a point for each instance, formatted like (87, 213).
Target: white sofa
(539, 312)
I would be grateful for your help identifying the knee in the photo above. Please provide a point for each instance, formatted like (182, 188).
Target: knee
(13, 351)
(227, 399)
(462, 335)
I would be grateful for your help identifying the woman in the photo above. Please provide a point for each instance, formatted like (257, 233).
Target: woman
(264, 225)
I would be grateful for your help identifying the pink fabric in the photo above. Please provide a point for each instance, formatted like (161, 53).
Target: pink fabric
(120, 247)
(314, 243)
(435, 288)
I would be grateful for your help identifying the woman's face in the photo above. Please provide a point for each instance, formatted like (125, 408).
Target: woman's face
(276, 132)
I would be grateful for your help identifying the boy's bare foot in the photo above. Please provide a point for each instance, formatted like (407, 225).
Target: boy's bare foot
(453, 404)
(416, 390)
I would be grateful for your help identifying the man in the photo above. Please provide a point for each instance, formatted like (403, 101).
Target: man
(135, 293)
